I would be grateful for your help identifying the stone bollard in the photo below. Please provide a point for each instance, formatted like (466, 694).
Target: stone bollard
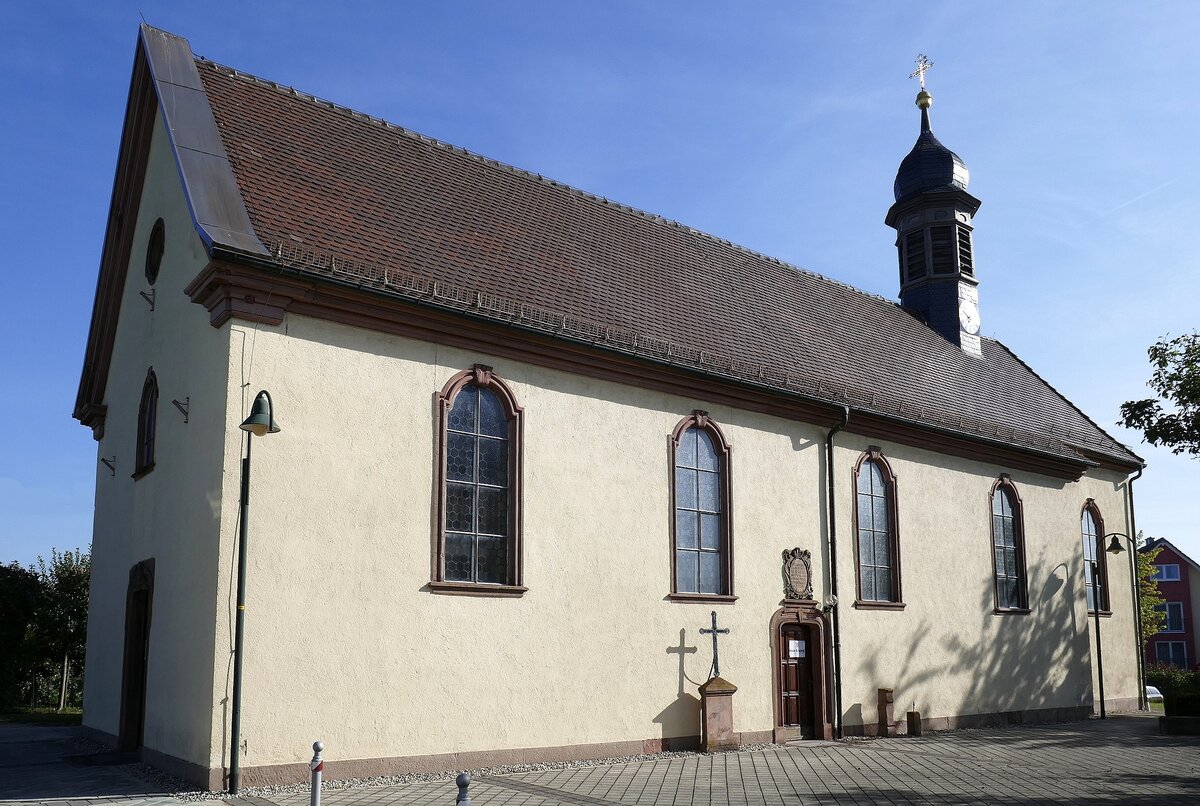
(317, 765)
(887, 724)
(914, 723)
(464, 797)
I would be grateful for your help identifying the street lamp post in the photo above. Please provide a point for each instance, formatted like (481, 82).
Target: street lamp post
(260, 422)
(1114, 548)
(1099, 645)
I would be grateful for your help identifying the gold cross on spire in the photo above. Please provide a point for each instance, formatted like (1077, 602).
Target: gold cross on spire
(923, 65)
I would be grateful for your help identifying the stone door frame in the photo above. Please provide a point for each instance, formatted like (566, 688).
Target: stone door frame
(803, 613)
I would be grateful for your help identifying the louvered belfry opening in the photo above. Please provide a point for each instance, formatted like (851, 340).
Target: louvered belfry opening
(948, 246)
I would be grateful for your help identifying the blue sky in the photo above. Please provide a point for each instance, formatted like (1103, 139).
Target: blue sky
(778, 126)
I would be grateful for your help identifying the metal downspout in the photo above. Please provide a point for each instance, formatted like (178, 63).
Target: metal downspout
(1143, 705)
(833, 585)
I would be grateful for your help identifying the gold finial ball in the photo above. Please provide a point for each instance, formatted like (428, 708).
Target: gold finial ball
(924, 99)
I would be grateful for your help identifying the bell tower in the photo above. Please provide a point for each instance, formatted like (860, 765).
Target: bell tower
(932, 218)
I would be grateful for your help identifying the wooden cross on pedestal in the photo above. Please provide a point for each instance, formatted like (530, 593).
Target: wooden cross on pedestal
(714, 632)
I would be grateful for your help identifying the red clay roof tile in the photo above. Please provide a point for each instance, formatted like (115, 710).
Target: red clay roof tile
(321, 182)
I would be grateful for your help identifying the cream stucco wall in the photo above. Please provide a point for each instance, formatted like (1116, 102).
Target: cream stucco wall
(345, 643)
(948, 652)
(171, 513)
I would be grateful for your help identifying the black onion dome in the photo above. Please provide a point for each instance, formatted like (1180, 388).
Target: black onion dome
(930, 165)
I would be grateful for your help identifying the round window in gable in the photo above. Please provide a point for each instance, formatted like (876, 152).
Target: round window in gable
(154, 251)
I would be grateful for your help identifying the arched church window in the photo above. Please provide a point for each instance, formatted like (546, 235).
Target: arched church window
(1092, 526)
(877, 547)
(479, 541)
(1008, 546)
(147, 426)
(701, 523)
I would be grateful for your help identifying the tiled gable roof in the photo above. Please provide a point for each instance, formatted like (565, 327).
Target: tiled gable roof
(325, 186)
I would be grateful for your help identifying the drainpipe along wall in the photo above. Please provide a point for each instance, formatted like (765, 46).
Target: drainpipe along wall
(833, 566)
(1143, 704)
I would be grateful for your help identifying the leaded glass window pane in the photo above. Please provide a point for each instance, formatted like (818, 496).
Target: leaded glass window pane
(883, 584)
(460, 557)
(685, 454)
(478, 462)
(460, 507)
(867, 583)
(710, 492)
(492, 421)
(875, 560)
(687, 566)
(493, 462)
(686, 536)
(493, 511)
(699, 526)
(465, 410)
(710, 572)
(706, 452)
(492, 566)
(460, 457)
(710, 532)
(685, 488)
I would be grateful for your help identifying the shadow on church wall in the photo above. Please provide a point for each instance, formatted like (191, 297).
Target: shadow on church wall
(682, 716)
(1032, 661)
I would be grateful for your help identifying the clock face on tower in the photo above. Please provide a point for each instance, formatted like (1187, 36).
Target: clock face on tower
(968, 317)
(968, 309)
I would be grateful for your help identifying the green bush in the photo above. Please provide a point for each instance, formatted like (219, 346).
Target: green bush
(1171, 679)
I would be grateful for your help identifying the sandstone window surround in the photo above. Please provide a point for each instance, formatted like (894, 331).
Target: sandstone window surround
(701, 511)
(1008, 548)
(1092, 526)
(478, 539)
(877, 533)
(147, 426)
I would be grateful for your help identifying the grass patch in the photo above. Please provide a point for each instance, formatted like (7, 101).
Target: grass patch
(1156, 707)
(41, 716)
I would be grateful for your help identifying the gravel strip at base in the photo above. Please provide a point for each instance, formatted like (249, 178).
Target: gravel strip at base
(179, 788)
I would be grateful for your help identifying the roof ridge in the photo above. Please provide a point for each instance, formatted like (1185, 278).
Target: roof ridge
(1070, 440)
(655, 217)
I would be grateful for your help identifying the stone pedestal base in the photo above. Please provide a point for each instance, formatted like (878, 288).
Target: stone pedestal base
(887, 723)
(716, 698)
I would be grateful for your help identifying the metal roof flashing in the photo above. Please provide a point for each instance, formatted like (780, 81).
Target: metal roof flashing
(213, 196)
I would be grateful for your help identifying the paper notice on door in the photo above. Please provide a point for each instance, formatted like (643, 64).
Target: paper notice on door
(795, 648)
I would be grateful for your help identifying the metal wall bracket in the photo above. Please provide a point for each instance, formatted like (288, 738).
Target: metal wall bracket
(183, 407)
(148, 297)
(111, 464)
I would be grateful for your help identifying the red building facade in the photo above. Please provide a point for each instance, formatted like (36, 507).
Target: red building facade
(1178, 578)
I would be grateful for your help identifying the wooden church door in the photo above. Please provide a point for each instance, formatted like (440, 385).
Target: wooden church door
(796, 689)
(137, 655)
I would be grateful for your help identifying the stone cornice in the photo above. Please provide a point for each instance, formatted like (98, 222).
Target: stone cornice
(264, 294)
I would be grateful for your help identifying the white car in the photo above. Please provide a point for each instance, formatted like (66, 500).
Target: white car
(1153, 694)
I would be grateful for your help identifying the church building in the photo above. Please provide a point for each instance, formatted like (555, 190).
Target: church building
(514, 445)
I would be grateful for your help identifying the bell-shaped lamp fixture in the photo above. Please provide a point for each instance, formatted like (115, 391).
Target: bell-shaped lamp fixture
(1114, 546)
(261, 420)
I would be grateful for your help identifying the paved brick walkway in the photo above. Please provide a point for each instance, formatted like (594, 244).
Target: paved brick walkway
(1123, 760)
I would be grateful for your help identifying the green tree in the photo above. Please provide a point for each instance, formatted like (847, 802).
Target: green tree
(60, 621)
(1154, 616)
(1176, 379)
(19, 594)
